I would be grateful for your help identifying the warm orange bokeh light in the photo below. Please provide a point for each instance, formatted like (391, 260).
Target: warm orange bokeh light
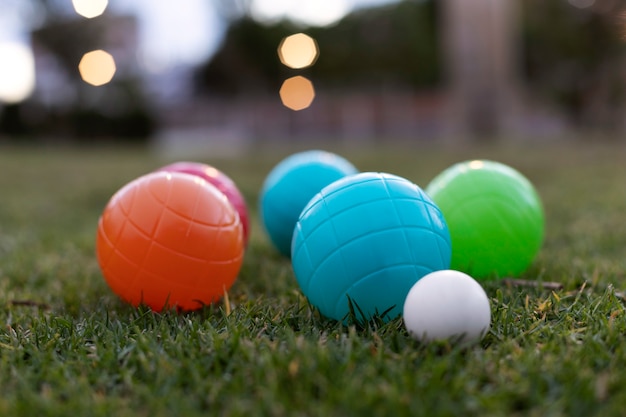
(298, 51)
(97, 67)
(297, 93)
(90, 8)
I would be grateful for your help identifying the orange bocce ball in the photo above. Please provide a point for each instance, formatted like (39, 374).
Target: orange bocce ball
(169, 240)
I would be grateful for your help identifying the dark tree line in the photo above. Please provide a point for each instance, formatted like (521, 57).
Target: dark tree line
(571, 57)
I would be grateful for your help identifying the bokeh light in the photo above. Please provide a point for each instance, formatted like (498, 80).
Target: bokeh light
(476, 164)
(297, 93)
(298, 51)
(90, 8)
(97, 67)
(17, 72)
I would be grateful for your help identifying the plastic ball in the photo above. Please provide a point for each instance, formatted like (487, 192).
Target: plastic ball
(219, 180)
(495, 217)
(290, 185)
(363, 241)
(447, 305)
(169, 240)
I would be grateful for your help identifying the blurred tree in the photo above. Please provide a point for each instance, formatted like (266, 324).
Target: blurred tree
(68, 40)
(371, 48)
(246, 62)
(575, 58)
(396, 44)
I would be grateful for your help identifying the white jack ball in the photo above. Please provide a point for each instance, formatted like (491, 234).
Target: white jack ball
(447, 305)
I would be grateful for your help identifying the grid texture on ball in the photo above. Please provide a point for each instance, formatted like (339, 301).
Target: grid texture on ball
(169, 240)
(221, 181)
(368, 237)
(495, 217)
(290, 186)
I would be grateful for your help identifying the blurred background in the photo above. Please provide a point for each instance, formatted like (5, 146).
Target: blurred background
(221, 75)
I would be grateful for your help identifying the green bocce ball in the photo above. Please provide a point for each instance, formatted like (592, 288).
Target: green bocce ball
(494, 215)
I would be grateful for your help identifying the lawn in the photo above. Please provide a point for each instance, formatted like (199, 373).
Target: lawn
(70, 347)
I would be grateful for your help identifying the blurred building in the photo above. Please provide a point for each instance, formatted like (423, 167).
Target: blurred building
(63, 104)
(59, 46)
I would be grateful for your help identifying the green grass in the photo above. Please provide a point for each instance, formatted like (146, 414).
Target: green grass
(68, 346)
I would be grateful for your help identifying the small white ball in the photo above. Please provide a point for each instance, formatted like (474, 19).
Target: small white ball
(447, 305)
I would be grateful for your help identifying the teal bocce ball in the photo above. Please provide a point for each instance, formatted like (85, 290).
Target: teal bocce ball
(290, 185)
(367, 238)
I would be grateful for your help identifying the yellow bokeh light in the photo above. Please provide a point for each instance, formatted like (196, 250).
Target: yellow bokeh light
(298, 51)
(97, 67)
(17, 72)
(297, 93)
(476, 164)
(90, 8)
